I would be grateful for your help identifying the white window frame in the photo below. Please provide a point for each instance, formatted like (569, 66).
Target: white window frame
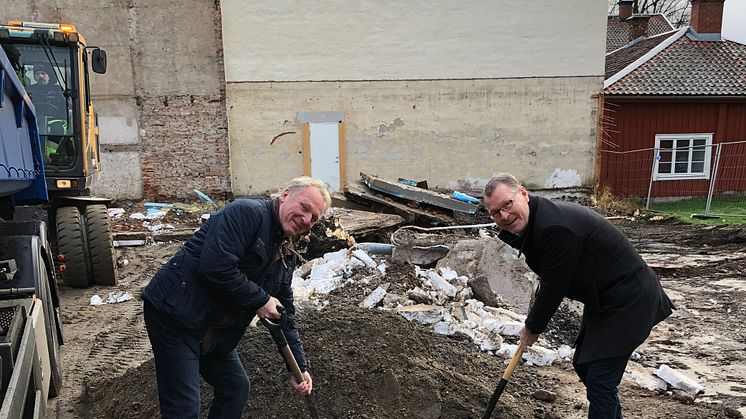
(688, 175)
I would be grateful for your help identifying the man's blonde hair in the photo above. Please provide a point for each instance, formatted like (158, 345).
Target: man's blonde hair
(305, 182)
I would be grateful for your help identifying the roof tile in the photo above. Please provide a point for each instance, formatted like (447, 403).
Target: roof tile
(686, 67)
(618, 31)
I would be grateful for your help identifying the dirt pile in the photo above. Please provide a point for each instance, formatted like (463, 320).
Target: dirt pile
(375, 364)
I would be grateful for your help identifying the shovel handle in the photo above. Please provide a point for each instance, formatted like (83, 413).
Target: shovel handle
(275, 325)
(290, 359)
(503, 382)
(513, 362)
(275, 329)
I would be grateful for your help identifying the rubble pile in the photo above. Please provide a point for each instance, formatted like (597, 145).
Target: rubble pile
(443, 300)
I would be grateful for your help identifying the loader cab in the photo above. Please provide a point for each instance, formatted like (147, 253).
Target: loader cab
(52, 61)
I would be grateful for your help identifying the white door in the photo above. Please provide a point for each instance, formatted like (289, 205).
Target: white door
(324, 153)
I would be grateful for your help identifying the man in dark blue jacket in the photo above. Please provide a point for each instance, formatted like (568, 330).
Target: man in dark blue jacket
(579, 254)
(197, 307)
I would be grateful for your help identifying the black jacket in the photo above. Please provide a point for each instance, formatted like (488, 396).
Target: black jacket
(579, 254)
(225, 272)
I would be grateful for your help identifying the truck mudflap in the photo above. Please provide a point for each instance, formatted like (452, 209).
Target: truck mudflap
(31, 370)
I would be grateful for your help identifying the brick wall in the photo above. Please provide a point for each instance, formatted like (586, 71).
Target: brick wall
(184, 138)
(707, 16)
(184, 143)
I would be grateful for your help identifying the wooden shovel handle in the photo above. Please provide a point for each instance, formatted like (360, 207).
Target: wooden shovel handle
(513, 362)
(290, 359)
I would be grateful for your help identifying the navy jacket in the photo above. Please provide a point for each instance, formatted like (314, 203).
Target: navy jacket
(226, 271)
(579, 254)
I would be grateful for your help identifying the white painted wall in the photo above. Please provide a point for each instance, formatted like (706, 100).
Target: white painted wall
(448, 91)
(295, 40)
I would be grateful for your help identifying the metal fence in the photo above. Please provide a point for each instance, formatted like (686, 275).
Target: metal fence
(706, 180)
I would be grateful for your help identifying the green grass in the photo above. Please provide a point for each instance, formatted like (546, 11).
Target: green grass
(684, 208)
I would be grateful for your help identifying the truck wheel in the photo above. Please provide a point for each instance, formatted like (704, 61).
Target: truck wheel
(71, 244)
(100, 245)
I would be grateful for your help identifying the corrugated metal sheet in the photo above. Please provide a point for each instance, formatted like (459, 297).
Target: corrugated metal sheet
(633, 125)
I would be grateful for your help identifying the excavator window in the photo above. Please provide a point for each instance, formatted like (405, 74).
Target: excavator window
(45, 71)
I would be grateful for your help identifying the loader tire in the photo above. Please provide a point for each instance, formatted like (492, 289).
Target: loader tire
(51, 323)
(71, 244)
(100, 245)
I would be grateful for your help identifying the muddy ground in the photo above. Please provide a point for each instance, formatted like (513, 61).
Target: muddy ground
(375, 364)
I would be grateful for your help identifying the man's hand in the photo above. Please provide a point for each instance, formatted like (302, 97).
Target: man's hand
(269, 310)
(527, 338)
(303, 388)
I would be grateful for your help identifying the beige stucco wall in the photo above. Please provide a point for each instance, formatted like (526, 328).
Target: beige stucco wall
(449, 132)
(293, 40)
(451, 92)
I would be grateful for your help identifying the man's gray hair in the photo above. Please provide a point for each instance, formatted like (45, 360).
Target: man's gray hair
(501, 179)
(305, 182)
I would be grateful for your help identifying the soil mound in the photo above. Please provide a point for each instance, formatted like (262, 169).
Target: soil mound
(375, 364)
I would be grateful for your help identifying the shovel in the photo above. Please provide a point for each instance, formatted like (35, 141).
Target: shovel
(275, 329)
(503, 382)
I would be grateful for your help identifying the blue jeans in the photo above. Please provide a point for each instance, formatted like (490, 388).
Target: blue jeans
(178, 366)
(601, 378)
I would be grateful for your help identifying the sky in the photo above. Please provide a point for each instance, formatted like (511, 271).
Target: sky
(734, 20)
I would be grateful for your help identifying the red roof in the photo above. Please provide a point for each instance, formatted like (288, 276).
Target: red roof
(618, 31)
(680, 67)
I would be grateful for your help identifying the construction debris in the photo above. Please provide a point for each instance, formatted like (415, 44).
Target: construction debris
(418, 195)
(360, 193)
(442, 300)
(678, 380)
(363, 223)
(509, 279)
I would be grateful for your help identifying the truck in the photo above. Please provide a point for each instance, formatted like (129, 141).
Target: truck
(52, 62)
(30, 326)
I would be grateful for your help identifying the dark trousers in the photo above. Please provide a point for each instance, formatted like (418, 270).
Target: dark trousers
(178, 366)
(601, 378)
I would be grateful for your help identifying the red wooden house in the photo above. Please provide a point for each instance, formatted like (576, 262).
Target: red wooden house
(669, 100)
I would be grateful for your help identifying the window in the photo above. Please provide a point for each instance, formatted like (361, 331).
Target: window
(682, 156)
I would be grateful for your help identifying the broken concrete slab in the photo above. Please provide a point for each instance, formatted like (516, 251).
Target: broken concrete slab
(423, 313)
(678, 380)
(536, 355)
(508, 276)
(376, 296)
(482, 291)
(362, 255)
(643, 377)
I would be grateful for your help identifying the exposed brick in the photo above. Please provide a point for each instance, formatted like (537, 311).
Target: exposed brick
(707, 16)
(184, 146)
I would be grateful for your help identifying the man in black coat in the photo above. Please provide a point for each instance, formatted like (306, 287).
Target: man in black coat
(580, 255)
(197, 307)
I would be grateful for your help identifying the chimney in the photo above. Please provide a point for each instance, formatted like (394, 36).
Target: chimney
(625, 9)
(707, 16)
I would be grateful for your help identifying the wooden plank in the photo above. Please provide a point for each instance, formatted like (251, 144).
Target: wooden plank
(416, 194)
(360, 191)
(306, 147)
(363, 222)
(342, 155)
